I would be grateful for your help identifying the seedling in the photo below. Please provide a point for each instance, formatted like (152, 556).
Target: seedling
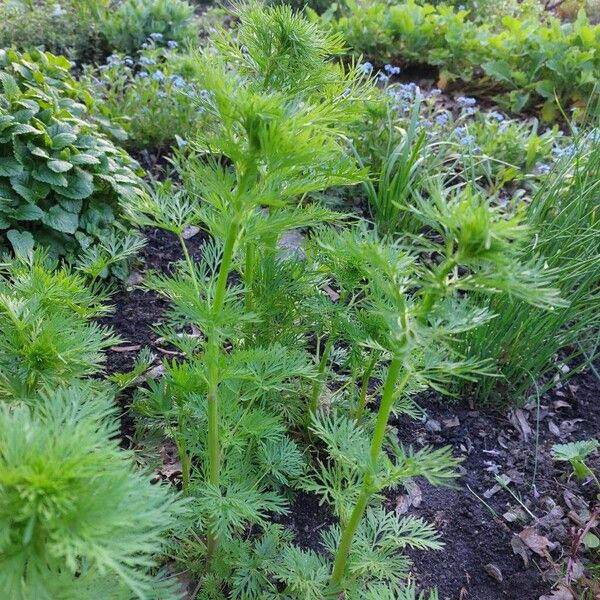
(575, 453)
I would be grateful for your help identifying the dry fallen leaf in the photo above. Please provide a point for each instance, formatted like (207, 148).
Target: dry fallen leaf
(333, 295)
(518, 547)
(453, 422)
(518, 419)
(135, 278)
(534, 541)
(131, 348)
(413, 497)
(190, 231)
(433, 426)
(561, 594)
(553, 428)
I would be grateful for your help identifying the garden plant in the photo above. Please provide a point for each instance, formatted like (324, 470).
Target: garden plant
(330, 332)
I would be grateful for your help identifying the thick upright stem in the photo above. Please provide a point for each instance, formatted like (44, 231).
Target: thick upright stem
(339, 566)
(390, 389)
(212, 358)
(387, 401)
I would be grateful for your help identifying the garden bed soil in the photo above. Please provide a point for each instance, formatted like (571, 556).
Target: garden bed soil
(498, 544)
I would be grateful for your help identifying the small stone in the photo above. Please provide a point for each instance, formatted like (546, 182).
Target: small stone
(433, 426)
(494, 572)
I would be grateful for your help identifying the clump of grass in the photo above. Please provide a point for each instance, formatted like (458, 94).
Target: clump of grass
(524, 343)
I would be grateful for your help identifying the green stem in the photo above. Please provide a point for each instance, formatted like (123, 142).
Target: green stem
(387, 401)
(212, 359)
(339, 566)
(385, 408)
(225, 268)
(320, 381)
(364, 387)
(249, 275)
(190, 264)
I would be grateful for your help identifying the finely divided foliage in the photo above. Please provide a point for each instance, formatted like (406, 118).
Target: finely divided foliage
(294, 331)
(278, 108)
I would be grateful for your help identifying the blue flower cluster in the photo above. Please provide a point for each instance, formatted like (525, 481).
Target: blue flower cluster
(559, 152)
(404, 95)
(366, 68)
(442, 119)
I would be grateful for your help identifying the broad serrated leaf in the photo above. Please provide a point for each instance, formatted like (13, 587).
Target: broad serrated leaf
(80, 185)
(10, 166)
(62, 140)
(22, 243)
(62, 220)
(59, 166)
(42, 173)
(83, 159)
(28, 212)
(9, 84)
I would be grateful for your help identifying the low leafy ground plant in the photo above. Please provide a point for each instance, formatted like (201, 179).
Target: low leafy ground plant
(412, 136)
(153, 97)
(78, 519)
(61, 179)
(514, 60)
(134, 21)
(68, 27)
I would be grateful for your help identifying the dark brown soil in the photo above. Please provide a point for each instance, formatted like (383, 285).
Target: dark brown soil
(477, 535)
(478, 562)
(136, 311)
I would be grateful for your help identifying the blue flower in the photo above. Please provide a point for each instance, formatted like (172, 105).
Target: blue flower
(161, 94)
(143, 74)
(172, 44)
(442, 119)
(146, 60)
(391, 69)
(383, 78)
(366, 68)
(566, 151)
(158, 76)
(177, 81)
(466, 140)
(466, 101)
(426, 123)
(180, 142)
(156, 37)
(542, 168)
(460, 131)
(128, 62)
(497, 116)
(435, 92)
(408, 90)
(113, 59)
(594, 136)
